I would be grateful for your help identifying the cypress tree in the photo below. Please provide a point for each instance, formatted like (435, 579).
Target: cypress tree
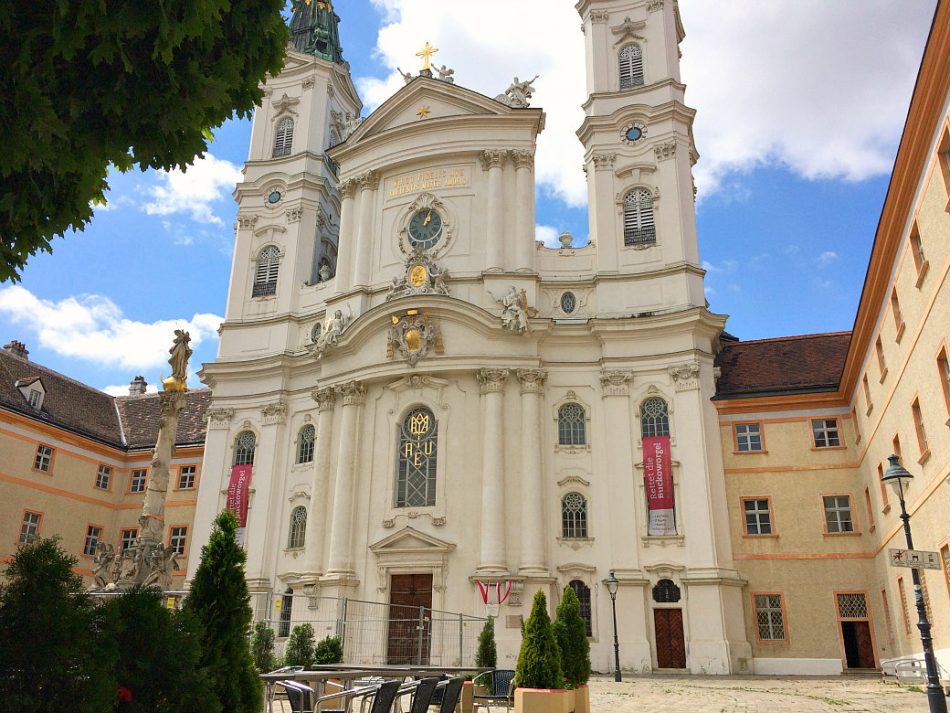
(487, 655)
(329, 650)
(220, 600)
(539, 661)
(570, 630)
(300, 647)
(262, 647)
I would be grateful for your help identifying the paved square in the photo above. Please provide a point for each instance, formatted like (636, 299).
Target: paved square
(701, 694)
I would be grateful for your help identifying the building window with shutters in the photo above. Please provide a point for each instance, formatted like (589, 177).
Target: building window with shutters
(639, 225)
(631, 66)
(770, 617)
(244, 447)
(283, 137)
(654, 418)
(418, 454)
(583, 594)
(574, 516)
(305, 444)
(265, 274)
(298, 528)
(571, 425)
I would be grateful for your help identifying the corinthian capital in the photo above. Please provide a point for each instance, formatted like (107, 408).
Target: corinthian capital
(532, 380)
(370, 180)
(523, 158)
(325, 398)
(492, 159)
(599, 16)
(604, 160)
(348, 188)
(352, 392)
(492, 381)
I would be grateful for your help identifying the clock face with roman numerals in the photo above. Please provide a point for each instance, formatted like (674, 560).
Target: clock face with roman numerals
(425, 229)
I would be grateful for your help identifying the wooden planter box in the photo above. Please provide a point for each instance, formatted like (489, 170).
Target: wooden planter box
(582, 699)
(467, 701)
(544, 700)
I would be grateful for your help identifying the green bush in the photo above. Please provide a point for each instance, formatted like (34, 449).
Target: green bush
(262, 647)
(570, 631)
(487, 655)
(539, 661)
(220, 600)
(329, 650)
(55, 654)
(300, 647)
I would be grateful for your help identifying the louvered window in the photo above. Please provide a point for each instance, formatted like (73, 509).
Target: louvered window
(631, 67)
(283, 137)
(639, 227)
(265, 278)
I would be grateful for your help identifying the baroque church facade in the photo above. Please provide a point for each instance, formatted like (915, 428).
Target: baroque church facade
(420, 397)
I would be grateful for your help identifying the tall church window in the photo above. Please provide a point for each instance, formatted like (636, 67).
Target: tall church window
(286, 613)
(265, 277)
(305, 444)
(654, 418)
(639, 224)
(571, 425)
(298, 527)
(583, 594)
(631, 66)
(574, 516)
(283, 137)
(244, 448)
(416, 472)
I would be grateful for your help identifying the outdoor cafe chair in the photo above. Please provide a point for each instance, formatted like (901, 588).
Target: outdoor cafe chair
(422, 691)
(451, 692)
(384, 695)
(500, 685)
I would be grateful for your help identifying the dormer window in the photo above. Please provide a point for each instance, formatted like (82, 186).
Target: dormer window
(33, 392)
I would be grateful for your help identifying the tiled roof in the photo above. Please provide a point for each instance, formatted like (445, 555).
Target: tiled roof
(812, 362)
(82, 409)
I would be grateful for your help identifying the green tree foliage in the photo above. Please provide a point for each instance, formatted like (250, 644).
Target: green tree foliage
(487, 655)
(126, 83)
(54, 655)
(262, 647)
(539, 661)
(570, 631)
(329, 650)
(219, 599)
(159, 666)
(300, 646)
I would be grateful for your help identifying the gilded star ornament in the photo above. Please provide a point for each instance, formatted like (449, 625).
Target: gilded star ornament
(423, 112)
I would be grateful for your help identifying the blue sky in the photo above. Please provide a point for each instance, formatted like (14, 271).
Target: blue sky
(800, 107)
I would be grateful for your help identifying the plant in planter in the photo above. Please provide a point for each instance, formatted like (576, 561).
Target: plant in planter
(539, 680)
(570, 631)
(487, 654)
(300, 647)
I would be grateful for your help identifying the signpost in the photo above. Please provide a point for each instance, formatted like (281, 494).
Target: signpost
(914, 559)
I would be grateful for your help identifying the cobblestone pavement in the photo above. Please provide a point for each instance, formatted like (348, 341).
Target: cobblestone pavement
(759, 694)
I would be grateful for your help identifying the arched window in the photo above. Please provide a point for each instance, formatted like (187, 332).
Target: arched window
(283, 137)
(416, 472)
(573, 515)
(305, 444)
(666, 592)
(244, 448)
(631, 66)
(298, 527)
(639, 226)
(571, 425)
(286, 613)
(265, 277)
(583, 594)
(654, 418)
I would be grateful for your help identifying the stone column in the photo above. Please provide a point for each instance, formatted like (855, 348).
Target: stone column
(346, 247)
(342, 516)
(532, 486)
(317, 518)
(621, 509)
(369, 182)
(492, 162)
(524, 199)
(493, 540)
(267, 486)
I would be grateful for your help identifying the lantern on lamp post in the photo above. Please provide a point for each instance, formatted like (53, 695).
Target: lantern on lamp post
(612, 583)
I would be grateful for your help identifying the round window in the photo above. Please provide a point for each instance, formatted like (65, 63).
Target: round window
(568, 302)
(634, 133)
(425, 229)
(274, 197)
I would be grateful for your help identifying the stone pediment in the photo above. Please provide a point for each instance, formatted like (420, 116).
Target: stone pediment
(426, 100)
(411, 541)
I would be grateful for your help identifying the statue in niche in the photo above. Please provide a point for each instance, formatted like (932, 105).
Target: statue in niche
(518, 94)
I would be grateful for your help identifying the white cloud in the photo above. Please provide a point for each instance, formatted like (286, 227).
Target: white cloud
(547, 234)
(92, 327)
(193, 192)
(819, 87)
(827, 257)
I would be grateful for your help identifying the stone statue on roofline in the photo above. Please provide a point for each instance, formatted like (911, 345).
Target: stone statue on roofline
(518, 94)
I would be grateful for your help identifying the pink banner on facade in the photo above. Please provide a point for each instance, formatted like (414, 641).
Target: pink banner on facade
(658, 479)
(238, 492)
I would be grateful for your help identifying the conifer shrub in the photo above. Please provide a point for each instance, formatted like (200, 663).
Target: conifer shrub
(570, 631)
(55, 654)
(328, 650)
(262, 647)
(300, 647)
(539, 661)
(487, 655)
(220, 600)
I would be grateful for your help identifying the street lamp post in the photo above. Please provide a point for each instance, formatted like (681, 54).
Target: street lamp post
(612, 583)
(898, 476)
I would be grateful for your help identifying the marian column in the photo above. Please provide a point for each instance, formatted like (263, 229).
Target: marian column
(326, 399)
(532, 500)
(493, 559)
(342, 515)
(492, 162)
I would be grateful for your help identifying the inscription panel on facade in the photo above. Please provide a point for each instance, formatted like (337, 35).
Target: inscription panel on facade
(428, 180)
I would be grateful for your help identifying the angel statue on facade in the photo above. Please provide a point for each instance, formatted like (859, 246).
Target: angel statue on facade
(445, 74)
(518, 94)
(514, 313)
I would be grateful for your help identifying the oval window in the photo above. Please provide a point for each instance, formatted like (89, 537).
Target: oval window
(568, 302)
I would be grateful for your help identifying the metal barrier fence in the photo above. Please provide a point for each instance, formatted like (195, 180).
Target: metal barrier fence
(374, 633)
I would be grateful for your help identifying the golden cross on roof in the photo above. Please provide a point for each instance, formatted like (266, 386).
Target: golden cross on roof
(426, 53)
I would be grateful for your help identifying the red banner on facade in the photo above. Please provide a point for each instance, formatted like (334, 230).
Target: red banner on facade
(658, 479)
(238, 492)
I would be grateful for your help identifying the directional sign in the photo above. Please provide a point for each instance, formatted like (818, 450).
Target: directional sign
(915, 559)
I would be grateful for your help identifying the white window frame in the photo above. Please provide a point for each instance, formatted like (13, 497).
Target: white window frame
(770, 604)
(93, 538)
(30, 527)
(104, 477)
(297, 536)
(746, 439)
(839, 518)
(824, 430)
(178, 538)
(43, 460)
(189, 472)
(135, 484)
(757, 514)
